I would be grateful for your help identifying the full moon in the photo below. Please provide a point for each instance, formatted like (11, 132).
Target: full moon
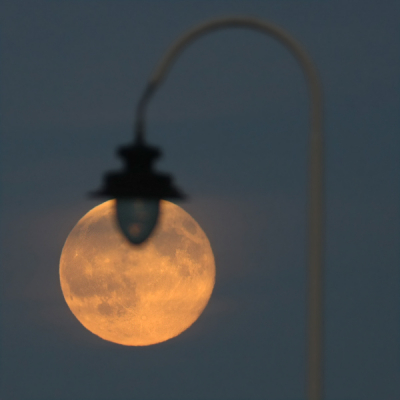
(137, 295)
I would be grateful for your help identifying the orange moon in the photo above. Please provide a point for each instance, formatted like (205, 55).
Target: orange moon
(137, 295)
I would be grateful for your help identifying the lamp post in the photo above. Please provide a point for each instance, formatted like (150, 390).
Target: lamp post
(139, 189)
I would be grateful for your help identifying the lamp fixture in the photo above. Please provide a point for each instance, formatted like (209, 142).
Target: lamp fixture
(138, 190)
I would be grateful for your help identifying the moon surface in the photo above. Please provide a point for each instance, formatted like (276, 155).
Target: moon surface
(137, 295)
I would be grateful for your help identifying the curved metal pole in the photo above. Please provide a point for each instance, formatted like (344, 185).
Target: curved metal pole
(316, 181)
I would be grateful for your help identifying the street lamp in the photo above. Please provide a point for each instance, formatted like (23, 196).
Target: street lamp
(138, 189)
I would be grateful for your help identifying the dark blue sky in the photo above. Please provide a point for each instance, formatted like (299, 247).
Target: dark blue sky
(232, 122)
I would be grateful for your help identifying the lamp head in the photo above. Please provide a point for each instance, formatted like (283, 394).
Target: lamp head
(138, 190)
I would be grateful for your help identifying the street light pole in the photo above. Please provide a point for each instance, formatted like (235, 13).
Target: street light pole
(316, 179)
(316, 186)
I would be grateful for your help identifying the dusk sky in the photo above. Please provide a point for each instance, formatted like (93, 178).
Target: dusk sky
(232, 122)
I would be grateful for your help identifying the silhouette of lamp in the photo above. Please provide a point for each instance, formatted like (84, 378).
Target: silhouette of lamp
(138, 188)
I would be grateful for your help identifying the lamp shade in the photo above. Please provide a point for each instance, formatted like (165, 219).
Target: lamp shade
(138, 190)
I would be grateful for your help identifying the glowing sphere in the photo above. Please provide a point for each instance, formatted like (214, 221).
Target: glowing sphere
(137, 295)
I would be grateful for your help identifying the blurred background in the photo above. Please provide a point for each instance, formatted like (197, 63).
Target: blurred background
(232, 121)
